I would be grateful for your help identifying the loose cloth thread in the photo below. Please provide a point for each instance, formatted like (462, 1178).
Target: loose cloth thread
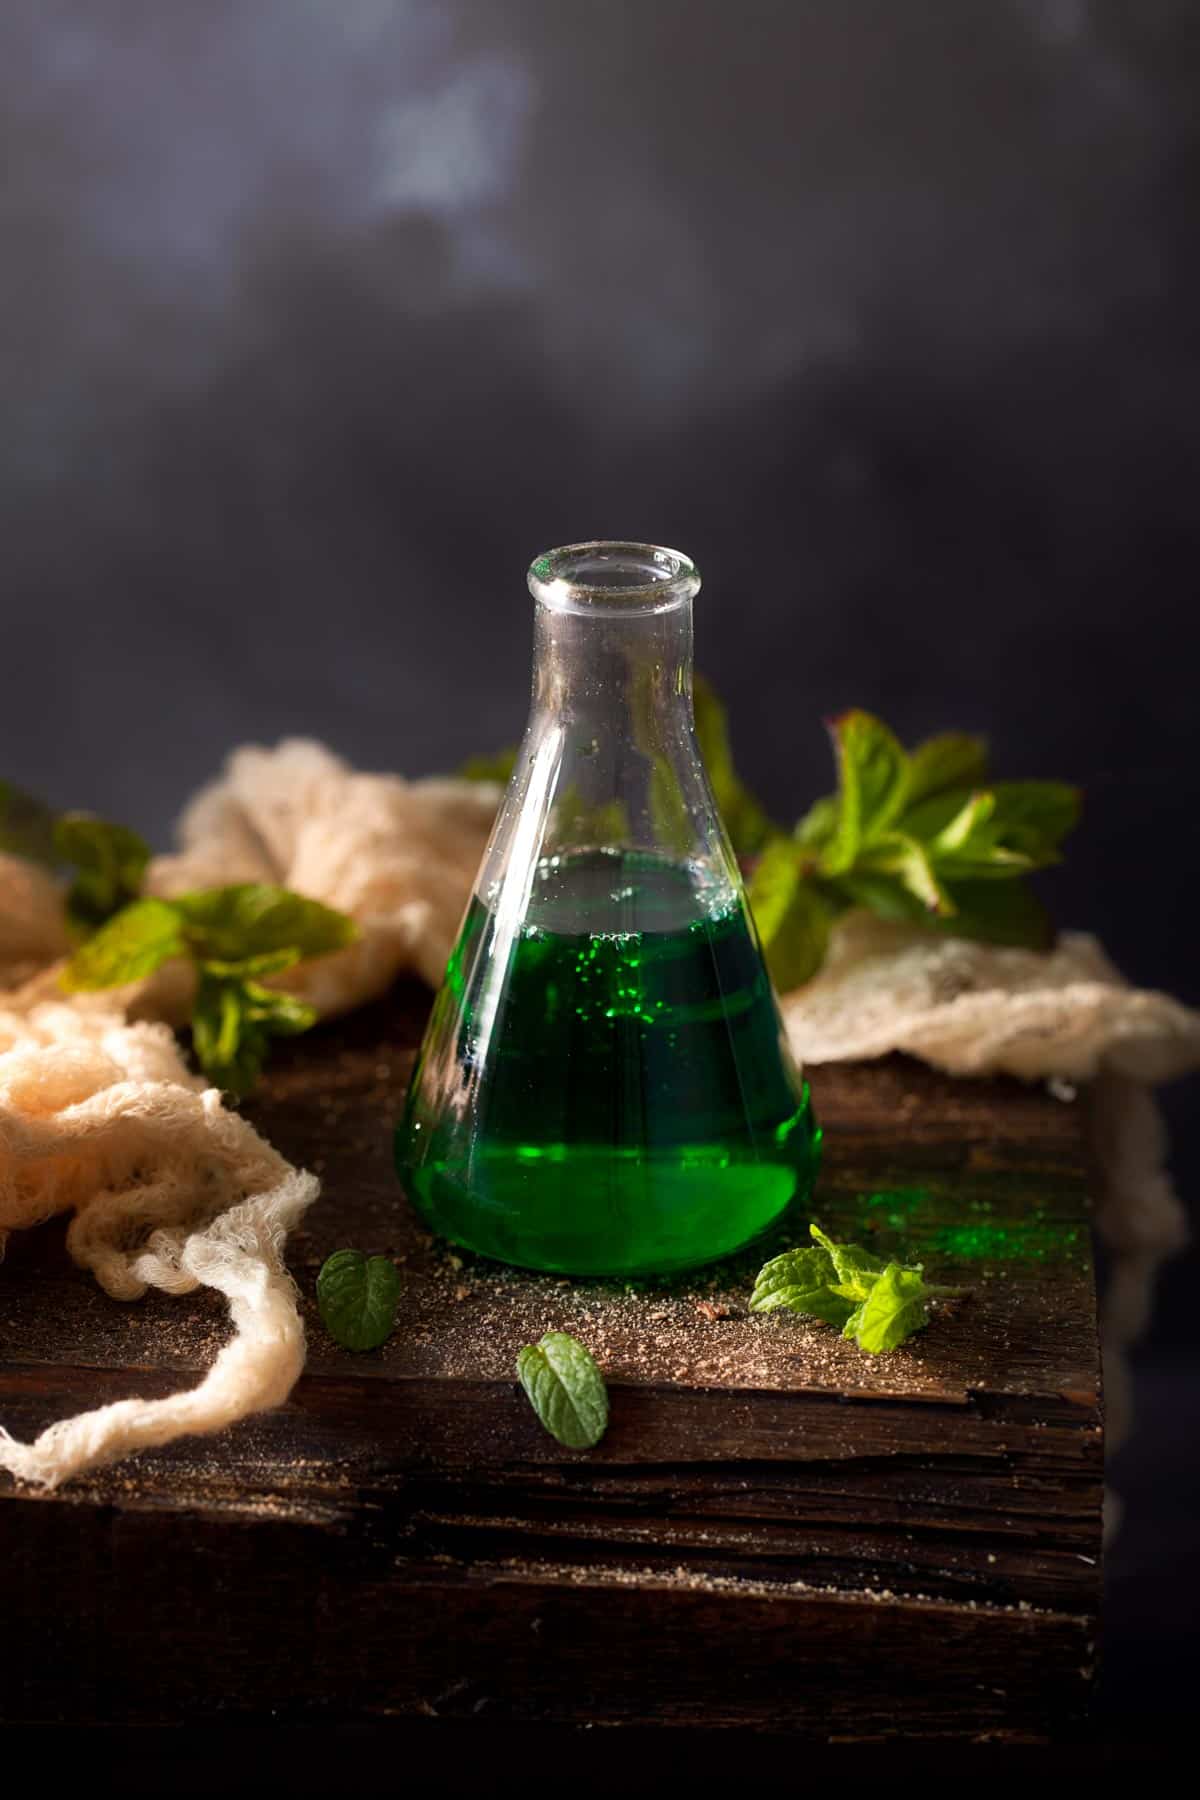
(100, 1117)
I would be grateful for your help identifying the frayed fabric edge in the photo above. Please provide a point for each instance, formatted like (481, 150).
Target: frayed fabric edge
(241, 1256)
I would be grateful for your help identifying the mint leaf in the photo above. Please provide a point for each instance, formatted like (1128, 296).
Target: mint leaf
(129, 947)
(855, 1270)
(228, 924)
(818, 824)
(893, 1309)
(565, 1389)
(218, 1029)
(233, 1021)
(26, 826)
(995, 912)
(746, 822)
(896, 1306)
(577, 821)
(110, 862)
(872, 786)
(1033, 817)
(669, 812)
(997, 832)
(884, 896)
(801, 1281)
(951, 819)
(271, 962)
(953, 759)
(909, 862)
(496, 765)
(357, 1298)
(792, 916)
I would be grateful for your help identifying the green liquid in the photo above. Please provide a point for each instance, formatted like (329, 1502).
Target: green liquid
(604, 1086)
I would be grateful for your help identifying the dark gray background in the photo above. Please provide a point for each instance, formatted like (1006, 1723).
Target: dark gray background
(318, 320)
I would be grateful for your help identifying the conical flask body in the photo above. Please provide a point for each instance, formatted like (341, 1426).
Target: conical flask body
(604, 1085)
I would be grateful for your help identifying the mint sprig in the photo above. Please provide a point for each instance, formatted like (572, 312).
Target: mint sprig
(876, 1305)
(565, 1389)
(917, 836)
(236, 936)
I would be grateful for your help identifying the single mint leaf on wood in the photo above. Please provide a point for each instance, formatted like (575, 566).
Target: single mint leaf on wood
(872, 786)
(792, 917)
(357, 1298)
(109, 861)
(800, 1281)
(251, 919)
(565, 1389)
(133, 943)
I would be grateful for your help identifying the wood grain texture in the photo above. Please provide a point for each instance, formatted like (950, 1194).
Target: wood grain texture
(776, 1530)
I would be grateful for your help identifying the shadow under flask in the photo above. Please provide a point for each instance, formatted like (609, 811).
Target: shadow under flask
(604, 1086)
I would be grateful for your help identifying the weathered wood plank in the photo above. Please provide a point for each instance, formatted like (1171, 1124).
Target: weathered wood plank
(286, 1618)
(767, 1500)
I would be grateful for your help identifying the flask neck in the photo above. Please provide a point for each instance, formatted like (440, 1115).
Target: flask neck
(609, 760)
(624, 679)
(613, 642)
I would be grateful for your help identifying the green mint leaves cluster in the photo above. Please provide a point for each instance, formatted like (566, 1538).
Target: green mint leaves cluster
(876, 1305)
(236, 936)
(921, 836)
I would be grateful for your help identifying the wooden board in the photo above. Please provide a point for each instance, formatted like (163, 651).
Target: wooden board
(777, 1530)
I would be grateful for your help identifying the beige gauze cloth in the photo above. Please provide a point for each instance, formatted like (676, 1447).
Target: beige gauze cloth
(99, 1117)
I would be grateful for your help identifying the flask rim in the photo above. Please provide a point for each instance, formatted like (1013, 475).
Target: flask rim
(613, 576)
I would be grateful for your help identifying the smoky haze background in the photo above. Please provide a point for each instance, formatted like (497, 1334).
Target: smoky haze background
(318, 320)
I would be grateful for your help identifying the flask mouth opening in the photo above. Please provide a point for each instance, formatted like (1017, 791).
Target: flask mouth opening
(609, 577)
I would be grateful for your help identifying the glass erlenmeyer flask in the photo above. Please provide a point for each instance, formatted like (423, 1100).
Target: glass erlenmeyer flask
(604, 1087)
